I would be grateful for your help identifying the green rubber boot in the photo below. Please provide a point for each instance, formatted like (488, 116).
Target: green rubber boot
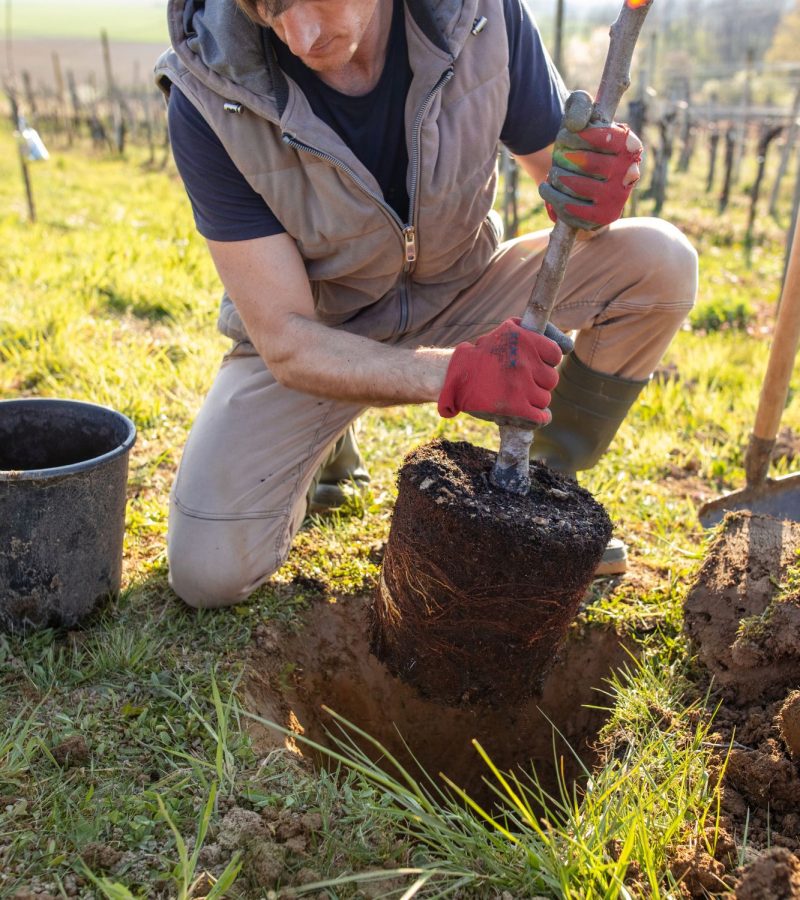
(587, 407)
(342, 475)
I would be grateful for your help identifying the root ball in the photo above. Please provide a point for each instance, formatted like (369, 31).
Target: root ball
(478, 586)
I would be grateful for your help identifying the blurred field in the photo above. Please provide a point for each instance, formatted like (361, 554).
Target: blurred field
(142, 21)
(132, 61)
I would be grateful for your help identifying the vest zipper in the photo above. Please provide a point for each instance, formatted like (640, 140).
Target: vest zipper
(408, 232)
(416, 134)
(291, 141)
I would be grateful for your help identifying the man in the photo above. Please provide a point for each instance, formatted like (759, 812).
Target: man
(340, 157)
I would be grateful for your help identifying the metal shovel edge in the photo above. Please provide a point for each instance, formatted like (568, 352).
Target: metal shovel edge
(779, 497)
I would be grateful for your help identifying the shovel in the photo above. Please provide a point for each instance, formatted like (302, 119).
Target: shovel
(778, 497)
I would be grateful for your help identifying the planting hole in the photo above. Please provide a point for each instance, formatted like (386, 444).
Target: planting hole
(328, 663)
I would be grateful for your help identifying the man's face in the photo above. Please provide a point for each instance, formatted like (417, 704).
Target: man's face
(324, 34)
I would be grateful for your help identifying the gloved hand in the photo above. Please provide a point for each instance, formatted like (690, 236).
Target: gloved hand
(508, 372)
(592, 175)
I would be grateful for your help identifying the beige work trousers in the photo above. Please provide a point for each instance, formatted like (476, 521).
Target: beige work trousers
(240, 494)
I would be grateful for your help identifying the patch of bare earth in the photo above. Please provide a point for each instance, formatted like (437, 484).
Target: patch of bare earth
(749, 642)
(328, 663)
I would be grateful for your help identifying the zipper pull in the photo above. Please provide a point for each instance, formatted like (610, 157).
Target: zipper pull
(410, 242)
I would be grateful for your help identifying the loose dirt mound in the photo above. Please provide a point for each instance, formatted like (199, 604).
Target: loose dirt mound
(737, 581)
(750, 642)
(328, 662)
(789, 722)
(774, 876)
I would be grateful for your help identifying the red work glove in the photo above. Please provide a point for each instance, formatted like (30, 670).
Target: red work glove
(592, 175)
(508, 372)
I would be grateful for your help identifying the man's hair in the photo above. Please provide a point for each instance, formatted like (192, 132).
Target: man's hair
(253, 9)
(248, 7)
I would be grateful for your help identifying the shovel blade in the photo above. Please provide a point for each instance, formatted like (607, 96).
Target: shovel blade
(778, 497)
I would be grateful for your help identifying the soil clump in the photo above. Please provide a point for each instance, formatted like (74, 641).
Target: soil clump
(773, 876)
(328, 663)
(479, 586)
(748, 644)
(789, 717)
(72, 751)
(745, 625)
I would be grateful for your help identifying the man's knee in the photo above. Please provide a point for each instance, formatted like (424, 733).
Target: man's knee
(214, 564)
(667, 263)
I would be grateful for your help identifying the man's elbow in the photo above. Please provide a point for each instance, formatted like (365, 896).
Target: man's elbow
(282, 360)
(285, 353)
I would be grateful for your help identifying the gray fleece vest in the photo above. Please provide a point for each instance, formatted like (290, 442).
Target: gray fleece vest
(370, 272)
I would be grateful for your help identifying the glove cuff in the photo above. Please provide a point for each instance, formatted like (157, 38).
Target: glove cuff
(448, 403)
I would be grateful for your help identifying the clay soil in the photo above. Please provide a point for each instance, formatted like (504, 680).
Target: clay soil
(748, 639)
(479, 586)
(329, 663)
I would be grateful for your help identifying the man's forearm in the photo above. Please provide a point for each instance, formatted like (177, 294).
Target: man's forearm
(328, 362)
(267, 280)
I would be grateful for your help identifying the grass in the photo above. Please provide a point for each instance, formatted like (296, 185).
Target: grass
(111, 297)
(611, 840)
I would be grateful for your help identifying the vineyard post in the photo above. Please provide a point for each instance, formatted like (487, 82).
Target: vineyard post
(793, 226)
(768, 135)
(713, 147)
(658, 183)
(740, 149)
(75, 104)
(23, 159)
(62, 116)
(508, 168)
(98, 129)
(26, 179)
(730, 149)
(114, 97)
(788, 146)
(688, 132)
(558, 46)
(30, 99)
(148, 126)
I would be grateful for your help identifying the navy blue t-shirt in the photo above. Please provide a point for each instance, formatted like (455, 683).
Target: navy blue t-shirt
(226, 208)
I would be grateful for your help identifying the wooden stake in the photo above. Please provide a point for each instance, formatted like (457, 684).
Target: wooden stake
(26, 179)
(730, 149)
(114, 97)
(793, 226)
(510, 183)
(768, 135)
(75, 102)
(558, 47)
(742, 130)
(713, 146)
(62, 115)
(791, 136)
(30, 99)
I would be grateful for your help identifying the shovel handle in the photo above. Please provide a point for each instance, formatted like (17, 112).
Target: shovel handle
(780, 366)
(511, 470)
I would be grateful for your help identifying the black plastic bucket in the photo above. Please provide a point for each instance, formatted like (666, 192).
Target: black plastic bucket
(63, 477)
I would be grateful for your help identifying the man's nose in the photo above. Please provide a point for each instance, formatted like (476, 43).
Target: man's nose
(301, 28)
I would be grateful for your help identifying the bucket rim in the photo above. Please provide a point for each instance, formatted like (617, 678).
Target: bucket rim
(85, 465)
